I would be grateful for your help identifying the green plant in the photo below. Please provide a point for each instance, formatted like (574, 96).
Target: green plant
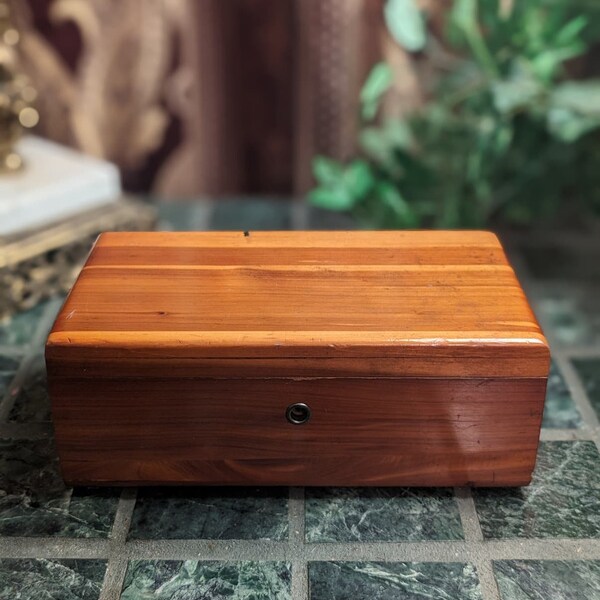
(508, 137)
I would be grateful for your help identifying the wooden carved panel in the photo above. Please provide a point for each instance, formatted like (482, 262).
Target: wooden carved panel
(205, 97)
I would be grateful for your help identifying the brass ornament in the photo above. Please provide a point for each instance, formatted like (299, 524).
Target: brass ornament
(40, 263)
(17, 95)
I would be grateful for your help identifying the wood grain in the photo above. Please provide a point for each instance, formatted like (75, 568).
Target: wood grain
(175, 356)
(145, 430)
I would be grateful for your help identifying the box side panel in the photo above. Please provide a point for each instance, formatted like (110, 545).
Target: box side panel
(400, 431)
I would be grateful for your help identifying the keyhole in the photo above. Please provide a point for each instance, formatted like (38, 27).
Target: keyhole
(297, 413)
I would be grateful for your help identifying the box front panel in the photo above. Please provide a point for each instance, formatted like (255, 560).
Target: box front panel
(361, 431)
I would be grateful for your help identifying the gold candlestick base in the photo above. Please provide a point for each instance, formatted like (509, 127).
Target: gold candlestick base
(42, 262)
(16, 96)
(10, 162)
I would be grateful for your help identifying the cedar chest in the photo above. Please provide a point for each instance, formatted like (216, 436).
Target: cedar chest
(297, 358)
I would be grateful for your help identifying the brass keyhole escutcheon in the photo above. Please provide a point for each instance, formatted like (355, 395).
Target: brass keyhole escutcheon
(297, 413)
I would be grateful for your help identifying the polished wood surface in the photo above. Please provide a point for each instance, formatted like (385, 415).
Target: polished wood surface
(175, 357)
(367, 431)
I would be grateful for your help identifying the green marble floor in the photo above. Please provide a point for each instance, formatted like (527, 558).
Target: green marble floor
(539, 542)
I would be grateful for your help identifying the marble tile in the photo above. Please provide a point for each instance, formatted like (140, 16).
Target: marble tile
(52, 306)
(32, 402)
(381, 515)
(185, 215)
(35, 502)
(243, 215)
(571, 315)
(20, 328)
(588, 370)
(8, 369)
(555, 579)
(563, 500)
(392, 581)
(211, 513)
(179, 580)
(41, 579)
(560, 410)
(327, 220)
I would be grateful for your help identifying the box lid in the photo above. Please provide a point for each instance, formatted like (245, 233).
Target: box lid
(296, 304)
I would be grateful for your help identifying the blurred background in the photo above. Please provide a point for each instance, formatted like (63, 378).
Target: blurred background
(349, 113)
(484, 105)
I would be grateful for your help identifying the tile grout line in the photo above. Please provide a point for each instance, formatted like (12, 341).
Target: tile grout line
(584, 352)
(548, 434)
(588, 414)
(16, 351)
(472, 530)
(487, 579)
(580, 398)
(30, 351)
(220, 550)
(562, 356)
(8, 401)
(296, 521)
(296, 516)
(468, 514)
(38, 339)
(117, 559)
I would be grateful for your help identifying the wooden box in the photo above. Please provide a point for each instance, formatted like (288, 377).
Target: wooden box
(300, 358)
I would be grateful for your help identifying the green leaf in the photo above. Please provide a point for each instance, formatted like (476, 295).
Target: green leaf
(358, 179)
(341, 186)
(517, 92)
(378, 82)
(369, 110)
(582, 97)
(569, 126)
(380, 143)
(374, 143)
(502, 139)
(406, 24)
(571, 31)
(546, 63)
(399, 133)
(331, 199)
(327, 172)
(390, 195)
(574, 109)
(464, 15)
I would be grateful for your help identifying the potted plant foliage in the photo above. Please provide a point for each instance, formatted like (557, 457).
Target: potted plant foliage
(509, 137)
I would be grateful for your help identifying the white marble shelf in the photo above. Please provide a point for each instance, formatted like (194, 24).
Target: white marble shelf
(56, 182)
